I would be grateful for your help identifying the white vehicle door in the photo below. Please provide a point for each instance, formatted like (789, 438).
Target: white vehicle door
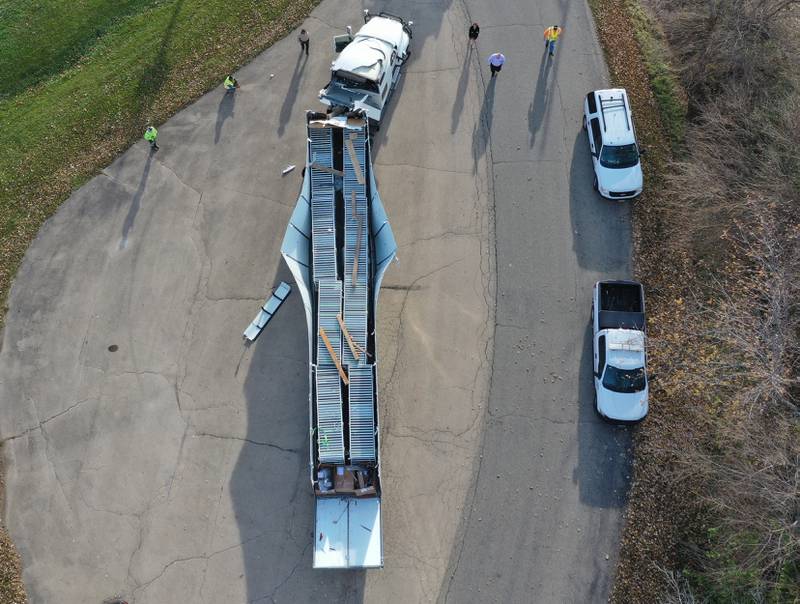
(395, 67)
(595, 140)
(599, 356)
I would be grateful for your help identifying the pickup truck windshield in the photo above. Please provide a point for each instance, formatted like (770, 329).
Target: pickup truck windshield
(624, 380)
(619, 156)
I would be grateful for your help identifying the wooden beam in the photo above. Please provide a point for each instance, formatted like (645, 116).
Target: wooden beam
(354, 158)
(316, 166)
(353, 346)
(335, 358)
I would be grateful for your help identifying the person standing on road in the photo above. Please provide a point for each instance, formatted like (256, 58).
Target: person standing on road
(304, 39)
(151, 135)
(550, 37)
(474, 30)
(496, 62)
(231, 83)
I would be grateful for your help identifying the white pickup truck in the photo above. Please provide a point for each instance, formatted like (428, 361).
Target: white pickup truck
(620, 359)
(368, 67)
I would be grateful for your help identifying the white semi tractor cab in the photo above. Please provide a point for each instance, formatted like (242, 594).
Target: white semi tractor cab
(620, 359)
(368, 67)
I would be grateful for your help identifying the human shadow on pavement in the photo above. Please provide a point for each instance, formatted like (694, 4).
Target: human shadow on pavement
(270, 487)
(224, 111)
(604, 449)
(541, 96)
(458, 105)
(136, 202)
(291, 94)
(481, 134)
(601, 228)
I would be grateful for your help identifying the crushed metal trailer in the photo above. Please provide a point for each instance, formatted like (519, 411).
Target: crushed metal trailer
(338, 245)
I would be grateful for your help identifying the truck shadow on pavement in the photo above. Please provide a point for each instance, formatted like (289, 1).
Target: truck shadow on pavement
(601, 228)
(270, 486)
(291, 94)
(541, 96)
(604, 450)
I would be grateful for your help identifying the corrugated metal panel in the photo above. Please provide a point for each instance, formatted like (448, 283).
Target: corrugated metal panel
(356, 240)
(322, 205)
(329, 304)
(330, 431)
(362, 414)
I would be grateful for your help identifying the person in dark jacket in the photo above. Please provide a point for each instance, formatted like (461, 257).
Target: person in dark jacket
(474, 30)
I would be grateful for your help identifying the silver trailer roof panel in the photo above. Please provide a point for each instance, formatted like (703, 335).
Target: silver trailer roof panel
(348, 533)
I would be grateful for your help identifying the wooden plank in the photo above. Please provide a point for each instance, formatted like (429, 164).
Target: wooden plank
(354, 158)
(353, 346)
(316, 166)
(335, 358)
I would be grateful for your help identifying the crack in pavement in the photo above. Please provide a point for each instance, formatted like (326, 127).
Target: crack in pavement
(246, 440)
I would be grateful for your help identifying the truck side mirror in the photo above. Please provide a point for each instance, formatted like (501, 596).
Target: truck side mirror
(642, 151)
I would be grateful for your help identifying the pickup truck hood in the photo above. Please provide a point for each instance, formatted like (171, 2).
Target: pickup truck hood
(621, 406)
(620, 179)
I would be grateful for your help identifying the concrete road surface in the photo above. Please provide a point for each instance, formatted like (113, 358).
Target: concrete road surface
(542, 523)
(151, 456)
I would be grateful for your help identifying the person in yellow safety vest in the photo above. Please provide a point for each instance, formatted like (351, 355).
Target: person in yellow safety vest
(151, 135)
(231, 84)
(550, 36)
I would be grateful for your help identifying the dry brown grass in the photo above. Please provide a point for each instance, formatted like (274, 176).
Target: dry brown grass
(715, 497)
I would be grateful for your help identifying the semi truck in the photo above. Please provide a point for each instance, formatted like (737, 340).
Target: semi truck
(338, 245)
(368, 66)
(620, 359)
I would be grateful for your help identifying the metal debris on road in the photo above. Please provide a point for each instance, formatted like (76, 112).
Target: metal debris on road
(267, 311)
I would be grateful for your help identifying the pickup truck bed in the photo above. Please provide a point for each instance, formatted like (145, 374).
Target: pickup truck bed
(621, 305)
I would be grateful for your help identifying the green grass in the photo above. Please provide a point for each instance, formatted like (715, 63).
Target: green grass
(70, 28)
(82, 78)
(664, 83)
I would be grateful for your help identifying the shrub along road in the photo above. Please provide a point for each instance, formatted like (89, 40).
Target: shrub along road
(151, 456)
